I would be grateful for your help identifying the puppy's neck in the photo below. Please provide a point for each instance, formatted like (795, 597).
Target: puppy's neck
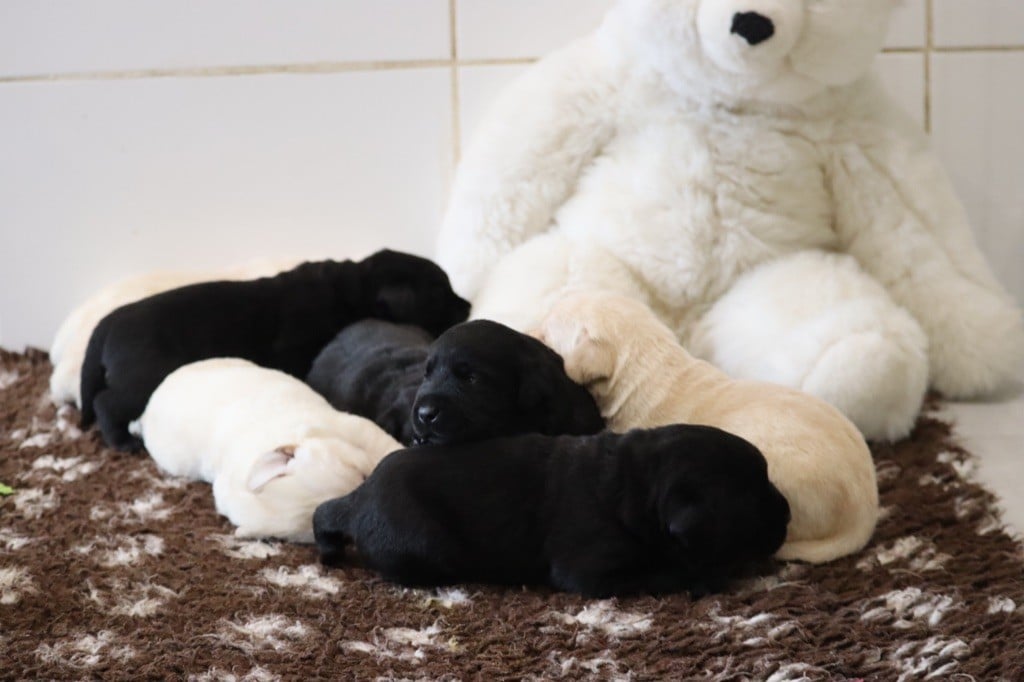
(655, 383)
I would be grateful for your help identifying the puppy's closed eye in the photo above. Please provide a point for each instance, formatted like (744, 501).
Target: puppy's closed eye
(464, 372)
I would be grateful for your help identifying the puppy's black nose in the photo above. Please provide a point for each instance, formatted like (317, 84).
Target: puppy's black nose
(753, 27)
(427, 414)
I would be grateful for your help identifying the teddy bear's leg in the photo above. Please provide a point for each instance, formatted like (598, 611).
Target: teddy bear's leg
(521, 289)
(817, 322)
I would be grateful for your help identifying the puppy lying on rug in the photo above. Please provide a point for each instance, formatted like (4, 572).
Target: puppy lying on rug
(681, 507)
(270, 445)
(68, 348)
(641, 377)
(478, 380)
(280, 322)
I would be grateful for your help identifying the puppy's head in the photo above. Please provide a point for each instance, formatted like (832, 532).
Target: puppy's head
(718, 508)
(485, 380)
(400, 287)
(593, 332)
(321, 467)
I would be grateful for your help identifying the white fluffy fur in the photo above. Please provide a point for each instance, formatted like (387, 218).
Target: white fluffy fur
(641, 378)
(272, 447)
(665, 158)
(68, 348)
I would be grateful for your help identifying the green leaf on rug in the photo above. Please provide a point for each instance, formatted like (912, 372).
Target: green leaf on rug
(6, 490)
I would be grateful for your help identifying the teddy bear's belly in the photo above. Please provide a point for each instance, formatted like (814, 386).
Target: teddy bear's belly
(691, 209)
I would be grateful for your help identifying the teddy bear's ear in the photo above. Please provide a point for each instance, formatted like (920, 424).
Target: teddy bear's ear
(268, 466)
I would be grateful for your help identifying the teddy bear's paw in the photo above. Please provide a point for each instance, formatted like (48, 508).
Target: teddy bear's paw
(878, 381)
(979, 356)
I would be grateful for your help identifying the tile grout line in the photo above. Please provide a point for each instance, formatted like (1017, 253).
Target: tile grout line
(929, 45)
(396, 65)
(221, 71)
(456, 93)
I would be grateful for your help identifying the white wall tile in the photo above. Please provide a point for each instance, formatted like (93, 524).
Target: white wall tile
(103, 179)
(979, 22)
(479, 86)
(502, 29)
(908, 27)
(903, 76)
(60, 36)
(978, 109)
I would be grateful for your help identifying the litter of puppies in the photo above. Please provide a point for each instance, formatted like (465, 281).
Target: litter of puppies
(351, 404)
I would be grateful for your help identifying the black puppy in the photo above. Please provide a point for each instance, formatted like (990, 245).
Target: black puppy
(485, 380)
(478, 380)
(373, 369)
(649, 511)
(280, 322)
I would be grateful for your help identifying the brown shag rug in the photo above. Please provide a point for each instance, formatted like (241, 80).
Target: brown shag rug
(110, 570)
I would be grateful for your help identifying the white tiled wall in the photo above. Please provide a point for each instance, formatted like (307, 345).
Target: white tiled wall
(137, 134)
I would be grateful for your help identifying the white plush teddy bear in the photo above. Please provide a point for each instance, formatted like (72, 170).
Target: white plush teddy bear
(733, 164)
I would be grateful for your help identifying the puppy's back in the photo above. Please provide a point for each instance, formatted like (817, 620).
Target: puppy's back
(206, 409)
(188, 409)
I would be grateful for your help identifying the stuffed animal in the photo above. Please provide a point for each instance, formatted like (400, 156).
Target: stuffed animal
(735, 166)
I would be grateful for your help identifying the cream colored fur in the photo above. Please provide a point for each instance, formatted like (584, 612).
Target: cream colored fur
(68, 348)
(641, 378)
(272, 447)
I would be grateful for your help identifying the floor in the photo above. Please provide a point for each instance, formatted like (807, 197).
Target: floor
(994, 431)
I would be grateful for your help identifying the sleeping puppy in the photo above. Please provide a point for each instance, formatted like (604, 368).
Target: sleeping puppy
(484, 380)
(478, 380)
(658, 511)
(280, 322)
(642, 378)
(373, 368)
(270, 445)
(68, 348)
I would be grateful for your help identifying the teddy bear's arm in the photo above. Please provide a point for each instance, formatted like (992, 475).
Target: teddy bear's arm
(898, 215)
(525, 161)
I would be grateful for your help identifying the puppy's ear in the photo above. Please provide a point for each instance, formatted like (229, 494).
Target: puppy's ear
(586, 358)
(683, 526)
(268, 466)
(394, 302)
(550, 399)
(536, 387)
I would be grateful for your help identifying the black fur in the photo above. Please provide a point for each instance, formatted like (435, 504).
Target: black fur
(656, 511)
(280, 322)
(373, 369)
(485, 380)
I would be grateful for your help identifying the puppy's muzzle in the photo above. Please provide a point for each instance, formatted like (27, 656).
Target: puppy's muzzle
(432, 421)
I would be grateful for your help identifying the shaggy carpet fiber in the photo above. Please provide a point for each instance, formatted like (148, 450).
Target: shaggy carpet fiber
(110, 570)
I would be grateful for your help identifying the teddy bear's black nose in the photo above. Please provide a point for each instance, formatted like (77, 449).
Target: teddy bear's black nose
(753, 27)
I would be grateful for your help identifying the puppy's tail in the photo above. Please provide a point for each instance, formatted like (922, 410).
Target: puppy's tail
(332, 529)
(847, 540)
(94, 378)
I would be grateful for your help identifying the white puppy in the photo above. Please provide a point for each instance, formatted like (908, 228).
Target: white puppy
(272, 447)
(68, 347)
(642, 378)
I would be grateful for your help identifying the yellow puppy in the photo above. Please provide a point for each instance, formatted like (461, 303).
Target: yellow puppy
(642, 378)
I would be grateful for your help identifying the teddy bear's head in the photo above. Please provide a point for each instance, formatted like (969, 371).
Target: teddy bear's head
(776, 51)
